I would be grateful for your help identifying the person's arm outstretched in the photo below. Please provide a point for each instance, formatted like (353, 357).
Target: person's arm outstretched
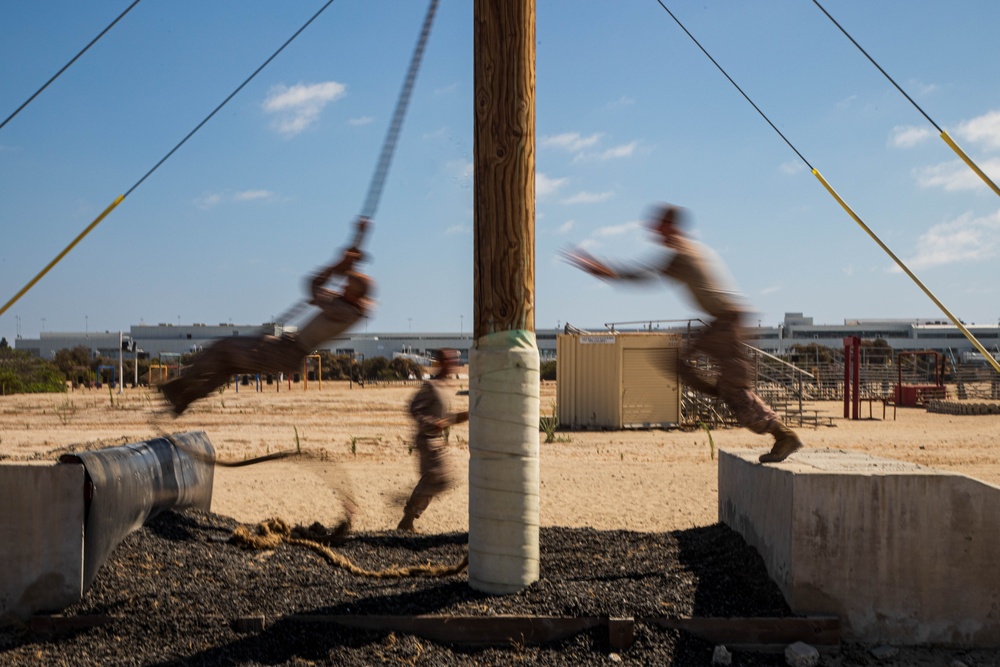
(584, 261)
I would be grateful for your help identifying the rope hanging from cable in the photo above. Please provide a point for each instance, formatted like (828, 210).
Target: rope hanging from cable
(389, 145)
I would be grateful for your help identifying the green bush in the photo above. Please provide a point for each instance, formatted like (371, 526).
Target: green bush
(548, 370)
(20, 373)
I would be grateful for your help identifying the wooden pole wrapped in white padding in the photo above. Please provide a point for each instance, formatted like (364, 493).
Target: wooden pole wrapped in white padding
(503, 462)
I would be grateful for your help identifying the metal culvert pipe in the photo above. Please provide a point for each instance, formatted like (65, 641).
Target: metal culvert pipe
(126, 486)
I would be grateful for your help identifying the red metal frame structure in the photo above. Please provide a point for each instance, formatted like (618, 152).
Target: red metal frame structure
(852, 377)
(912, 395)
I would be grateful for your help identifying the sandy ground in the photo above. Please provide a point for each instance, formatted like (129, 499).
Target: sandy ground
(359, 439)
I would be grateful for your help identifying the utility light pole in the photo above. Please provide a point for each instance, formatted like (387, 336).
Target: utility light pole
(121, 362)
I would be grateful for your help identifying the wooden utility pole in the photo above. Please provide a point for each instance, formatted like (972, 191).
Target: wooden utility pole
(504, 226)
(504, 363)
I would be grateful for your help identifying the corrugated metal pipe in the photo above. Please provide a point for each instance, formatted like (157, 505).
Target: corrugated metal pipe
(126, 486)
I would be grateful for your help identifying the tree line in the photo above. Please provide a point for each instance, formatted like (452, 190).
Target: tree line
(22, 373)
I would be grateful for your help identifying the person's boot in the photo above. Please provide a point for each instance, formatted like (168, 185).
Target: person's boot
(786, 443)
(406, 524)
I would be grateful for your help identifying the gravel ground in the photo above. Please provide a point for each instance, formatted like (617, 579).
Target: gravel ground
(173, 589)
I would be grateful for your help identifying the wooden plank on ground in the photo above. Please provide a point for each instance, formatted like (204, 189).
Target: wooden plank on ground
(757, 632)
(469, 630)
(56, 624)
(741, 633)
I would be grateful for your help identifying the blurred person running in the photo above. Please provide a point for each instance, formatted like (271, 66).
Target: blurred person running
(705, 278)
(431, 409)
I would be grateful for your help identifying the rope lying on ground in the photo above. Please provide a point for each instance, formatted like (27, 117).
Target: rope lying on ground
(272, 533)
(213, 460)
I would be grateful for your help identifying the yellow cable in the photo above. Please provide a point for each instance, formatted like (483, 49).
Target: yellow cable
(954, 320)
(972, 165)
(55, 261)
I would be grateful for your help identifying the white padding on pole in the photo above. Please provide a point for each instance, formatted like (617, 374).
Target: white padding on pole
(503, 462)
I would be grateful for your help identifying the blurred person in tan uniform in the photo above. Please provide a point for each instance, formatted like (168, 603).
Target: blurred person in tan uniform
(699, 270)
(431, 409)
(338, 311)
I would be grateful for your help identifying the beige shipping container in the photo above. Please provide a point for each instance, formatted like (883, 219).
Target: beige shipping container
(618, 380)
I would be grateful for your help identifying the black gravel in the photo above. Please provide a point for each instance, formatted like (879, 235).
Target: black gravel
(173, 589)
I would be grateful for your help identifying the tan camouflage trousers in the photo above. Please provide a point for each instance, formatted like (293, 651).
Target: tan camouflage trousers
(722, 342)
(213, 367)
(436, 475)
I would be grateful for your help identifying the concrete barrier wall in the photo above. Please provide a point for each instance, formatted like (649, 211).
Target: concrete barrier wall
(902, 553)
(55, 535)
(41, 537)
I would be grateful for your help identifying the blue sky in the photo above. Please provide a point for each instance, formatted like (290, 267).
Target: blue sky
(629, 113)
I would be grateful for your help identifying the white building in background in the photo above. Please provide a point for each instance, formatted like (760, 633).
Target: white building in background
(796, 329)
(917, 334)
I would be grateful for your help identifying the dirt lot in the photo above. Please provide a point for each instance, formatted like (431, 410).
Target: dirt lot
(651, 493)
(636, 480)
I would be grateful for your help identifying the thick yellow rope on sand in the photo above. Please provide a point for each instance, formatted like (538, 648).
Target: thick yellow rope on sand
(272, 533)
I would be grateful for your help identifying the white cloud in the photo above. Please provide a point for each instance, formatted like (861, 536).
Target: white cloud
(460, 172)
(983, 130)
(571, 141)
(361, 120)
(613, 153)
(908, 136)
(955, 176)
(623, 150)
(618, 230)
(208, 201)
(921, 87)
(771, 290)
(792, 167)
(446, 90)
(299, 106)
(247, 195)
(574, 142)
(458, 229)
(565, 227)
(213, 199)
(546, 186)
(846, 102)
(965, 239)
(585, 197)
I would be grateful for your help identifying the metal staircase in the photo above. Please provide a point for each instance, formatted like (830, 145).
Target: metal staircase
(783, 386)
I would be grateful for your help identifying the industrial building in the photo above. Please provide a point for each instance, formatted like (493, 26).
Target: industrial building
(796, 329)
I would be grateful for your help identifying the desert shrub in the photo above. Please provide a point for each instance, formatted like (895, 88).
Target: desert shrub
(20, 373)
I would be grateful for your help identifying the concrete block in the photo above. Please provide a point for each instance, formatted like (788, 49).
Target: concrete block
(41, 537)
(901, 553)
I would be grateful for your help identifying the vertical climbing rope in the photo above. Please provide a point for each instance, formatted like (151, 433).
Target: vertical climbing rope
(389, 145)
(392, 136)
